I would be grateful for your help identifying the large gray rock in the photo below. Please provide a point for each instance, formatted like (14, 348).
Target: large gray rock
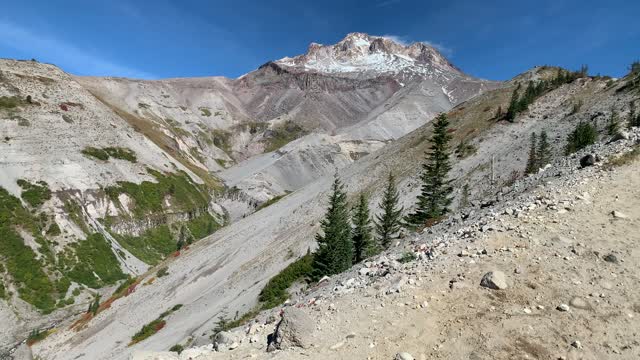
(295, 329)
(494, 280)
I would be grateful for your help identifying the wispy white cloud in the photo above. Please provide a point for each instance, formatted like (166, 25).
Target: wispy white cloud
(445, 50)
(405, 40)
(62, 53)
(402, 40)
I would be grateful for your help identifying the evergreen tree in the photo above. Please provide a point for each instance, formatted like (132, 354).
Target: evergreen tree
(584, 134)
(513, 105)
(532, 162)
(543, 155)
(335, 247)
(388, 223)
(614, 125)
(94, 306)
(634, 120)
(435, 193)
(363, 245)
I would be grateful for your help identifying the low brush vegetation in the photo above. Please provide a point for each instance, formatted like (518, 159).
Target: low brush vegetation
(149, 197)
(36, 336)
(205, 111)
(275, 291)
(153, 327)
(10, 102)
(34, 194)
(21, 262)
(96, 264)
(152, 246)
(110, 152)
(272, 201)
(282, 134)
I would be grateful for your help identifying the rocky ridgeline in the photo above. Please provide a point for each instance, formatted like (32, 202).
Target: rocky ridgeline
(536, 200)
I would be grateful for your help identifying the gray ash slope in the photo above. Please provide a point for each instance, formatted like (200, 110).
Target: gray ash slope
(224, 273)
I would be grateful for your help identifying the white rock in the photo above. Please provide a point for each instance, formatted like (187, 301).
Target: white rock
(403, 356)
(494, 280)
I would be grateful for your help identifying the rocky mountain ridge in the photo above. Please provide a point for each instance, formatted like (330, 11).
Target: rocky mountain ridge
(240, 258)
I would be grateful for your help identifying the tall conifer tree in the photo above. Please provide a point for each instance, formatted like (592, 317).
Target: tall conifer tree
(363, 245)
(543, 156)
(532, 162)
(335, 248)
(389, 221)
(434, 198)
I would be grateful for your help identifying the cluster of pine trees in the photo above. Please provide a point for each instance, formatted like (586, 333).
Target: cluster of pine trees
(518, 103)
(583, 135)
(347, 236)
(539, 153)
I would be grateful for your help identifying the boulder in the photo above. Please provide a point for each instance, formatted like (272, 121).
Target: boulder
(588, 160)
(295, 329)
(223, 340)
(619, 215)
(494, 280)
(403, 356)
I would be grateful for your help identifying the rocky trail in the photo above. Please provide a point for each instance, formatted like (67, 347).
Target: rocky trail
(547, 271)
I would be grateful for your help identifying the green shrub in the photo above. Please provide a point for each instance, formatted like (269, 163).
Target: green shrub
(203, 225)
(162, 272)
(34, 194)
(149, 197)
(114, 152)
(3, 293)
(151, 246)
(275, 291)
(96, 265)
(20, 261)
(9, 102)
(124, 286)
(584, 135)
(53, 230)
(121, 153)
(205, 111)
(153, 327)
(177, 348)
(36, 335)
(97, 153)
(407, 257)
(147, 331)
(272, 201)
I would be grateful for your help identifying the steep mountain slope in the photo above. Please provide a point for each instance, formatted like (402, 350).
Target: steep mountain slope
(349, 98)
(85, 200)
(104, 177)
(223, 274)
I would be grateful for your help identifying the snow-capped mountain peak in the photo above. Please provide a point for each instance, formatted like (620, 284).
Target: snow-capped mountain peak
(362, 53)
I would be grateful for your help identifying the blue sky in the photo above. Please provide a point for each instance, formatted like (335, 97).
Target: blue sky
(170, 38)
